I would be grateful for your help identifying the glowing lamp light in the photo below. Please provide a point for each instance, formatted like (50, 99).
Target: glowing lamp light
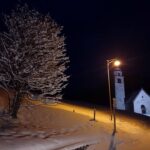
(117, 63)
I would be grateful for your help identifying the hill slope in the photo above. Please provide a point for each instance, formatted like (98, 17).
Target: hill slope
(67, 127)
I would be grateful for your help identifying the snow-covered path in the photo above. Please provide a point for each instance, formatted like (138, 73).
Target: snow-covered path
(50, 140)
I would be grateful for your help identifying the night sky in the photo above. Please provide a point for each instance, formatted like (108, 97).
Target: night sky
(96, 31)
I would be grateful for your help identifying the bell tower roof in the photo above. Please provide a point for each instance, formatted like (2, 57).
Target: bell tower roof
(117, 72)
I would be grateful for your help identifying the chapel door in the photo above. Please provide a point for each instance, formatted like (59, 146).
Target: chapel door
(143, 109)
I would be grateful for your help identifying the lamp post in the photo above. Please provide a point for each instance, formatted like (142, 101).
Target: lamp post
(116, 63)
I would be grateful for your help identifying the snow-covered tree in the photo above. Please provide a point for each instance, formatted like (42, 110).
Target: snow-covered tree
(32, 55)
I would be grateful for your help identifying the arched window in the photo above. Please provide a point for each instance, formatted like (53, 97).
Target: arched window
(119, 81)
(143, 109)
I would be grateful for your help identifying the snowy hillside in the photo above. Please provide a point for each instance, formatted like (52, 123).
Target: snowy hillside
(67, 127)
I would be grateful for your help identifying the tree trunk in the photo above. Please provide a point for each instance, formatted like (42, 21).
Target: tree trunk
(16, 105)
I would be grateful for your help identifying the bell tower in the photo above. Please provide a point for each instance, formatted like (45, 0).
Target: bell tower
(119, 89)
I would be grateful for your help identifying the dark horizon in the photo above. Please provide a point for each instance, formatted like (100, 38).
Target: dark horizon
(96, 31)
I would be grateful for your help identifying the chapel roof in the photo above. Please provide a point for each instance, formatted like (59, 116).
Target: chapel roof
(134, 95)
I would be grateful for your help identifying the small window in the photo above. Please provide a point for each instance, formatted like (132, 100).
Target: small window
(119, 81)
(118, 74)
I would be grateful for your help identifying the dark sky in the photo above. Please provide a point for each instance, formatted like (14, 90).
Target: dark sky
(96, 31)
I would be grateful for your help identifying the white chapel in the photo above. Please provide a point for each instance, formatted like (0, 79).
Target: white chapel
(139, 102)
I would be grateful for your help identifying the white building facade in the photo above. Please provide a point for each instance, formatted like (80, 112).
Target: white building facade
(119, 89)
(141, 103)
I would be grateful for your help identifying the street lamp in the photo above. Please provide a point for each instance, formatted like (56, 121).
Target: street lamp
(116, 63)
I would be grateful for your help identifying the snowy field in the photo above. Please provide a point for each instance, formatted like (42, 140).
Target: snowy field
(68, 127)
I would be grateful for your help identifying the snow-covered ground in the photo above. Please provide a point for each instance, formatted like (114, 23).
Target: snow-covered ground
(67, 127)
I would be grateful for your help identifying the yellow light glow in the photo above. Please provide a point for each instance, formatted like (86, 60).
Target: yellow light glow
(117, 63)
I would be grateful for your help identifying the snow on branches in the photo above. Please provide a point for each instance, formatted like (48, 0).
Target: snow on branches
(33, 54)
